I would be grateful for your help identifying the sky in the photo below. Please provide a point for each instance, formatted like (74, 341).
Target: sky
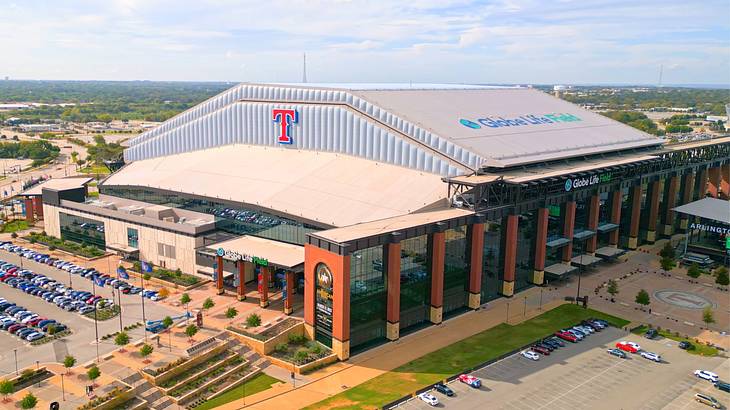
(435, 41)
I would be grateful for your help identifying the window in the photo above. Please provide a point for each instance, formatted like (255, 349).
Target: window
(367, 298)
(83, 230)
(167, 251)
(132, 238)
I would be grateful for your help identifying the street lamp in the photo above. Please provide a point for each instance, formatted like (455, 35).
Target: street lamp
(15, 352)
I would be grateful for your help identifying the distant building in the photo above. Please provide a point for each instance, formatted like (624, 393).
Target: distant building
(13, 107)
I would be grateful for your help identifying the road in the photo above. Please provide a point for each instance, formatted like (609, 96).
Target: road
(81, 342)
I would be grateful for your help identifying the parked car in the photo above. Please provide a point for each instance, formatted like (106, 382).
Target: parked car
(470, 380)
(685, 345)
(35, 336)
(708, 400)
(529, 354)
(567, 336)
(627, 346)
(707, 375)
(651, 334)
(429, 398)
(724, 386)
(443, 389)
(651, 356)
(617, 352)
(541, 350)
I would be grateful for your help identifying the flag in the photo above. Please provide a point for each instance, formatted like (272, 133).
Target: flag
(99, 282)
(122, 272)
(146, 267)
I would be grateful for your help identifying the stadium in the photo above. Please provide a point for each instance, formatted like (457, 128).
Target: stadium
(378, 209)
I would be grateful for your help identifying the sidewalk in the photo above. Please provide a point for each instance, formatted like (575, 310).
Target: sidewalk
(361, 368)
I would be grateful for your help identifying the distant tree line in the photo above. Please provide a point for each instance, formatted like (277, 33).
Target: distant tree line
(38, 151)
(636, 120)
(710, 100)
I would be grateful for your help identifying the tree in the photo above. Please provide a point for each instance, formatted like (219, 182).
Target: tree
(253, 320)
(167, 322)
(185, 299)
(163, 292)
(721, 276)
(668, 251)
(146, 276)
(121, 339)
(191, 330)
(642, 298)
(6, 388)
(707, 315)
(28, 401)
(69, 362)
(208, 303)
(93, 373)
(231, 312)
(612, 288)
(146, 350)
(667, 263)
(694, 271)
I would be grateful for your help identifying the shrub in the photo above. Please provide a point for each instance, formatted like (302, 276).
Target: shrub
(301, 355)
(191, 330)
(69, 361)
(253, 320)
(208, 303)
(694, 271)
(231, 312)
(146, 276)
(121, 339)
(297, 339)
(52, 248)
(28, 401)
(6, 387)
(282, 347)
(163, 292)
(185, 299)
(722, 277)
(146, 350)
(13, 235)
(93, 373)
(32, 240)
(316, 349)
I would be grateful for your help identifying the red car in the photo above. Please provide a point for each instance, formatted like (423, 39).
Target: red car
(567, 337)
(470, 380)
(541, 350)
(627, 347)
(35, 321)
(14, 328)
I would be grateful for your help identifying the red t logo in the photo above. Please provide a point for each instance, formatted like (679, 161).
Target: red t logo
(285, 118)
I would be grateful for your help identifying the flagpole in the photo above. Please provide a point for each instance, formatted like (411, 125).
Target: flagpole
(119, 296)
(144, 319)
(96, 327)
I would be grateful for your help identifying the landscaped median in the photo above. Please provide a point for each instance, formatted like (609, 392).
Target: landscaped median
(458, 357)
(697, 346)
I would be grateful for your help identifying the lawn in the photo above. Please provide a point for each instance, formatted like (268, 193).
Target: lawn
(697, 348)
(95, 169)
(258, 383)
(14, 226)
(460, 356)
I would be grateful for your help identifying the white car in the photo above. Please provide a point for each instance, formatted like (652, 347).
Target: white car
(651, 356)
(632, 344)
(530, 355)
(707, 375)
(429, 398)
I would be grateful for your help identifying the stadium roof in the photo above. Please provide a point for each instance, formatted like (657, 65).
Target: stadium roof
(708, 208)
(325, 188)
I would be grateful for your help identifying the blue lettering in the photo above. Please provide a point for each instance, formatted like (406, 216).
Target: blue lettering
(527, 119)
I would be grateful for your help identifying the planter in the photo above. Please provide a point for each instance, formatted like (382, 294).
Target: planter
(156, 379)
(196, 392)
(167, 283)
(304, 368)
(267, 346)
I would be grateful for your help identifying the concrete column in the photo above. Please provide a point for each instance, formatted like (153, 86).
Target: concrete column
(653, 204)
(615, 199)
(510, 255)
(713, 182)
(289, 289)
(392, 270)
(688, 183)
(219, 275)
(538, 274)
(670, 199)
(438, 255)
(241, 288)
(263, 280)
(38, 206)
(635, 196)
(29, 211)
(568, 226)
(594, 203)
(701, 184)
(476, 254)
(341, 308)
(724, 183)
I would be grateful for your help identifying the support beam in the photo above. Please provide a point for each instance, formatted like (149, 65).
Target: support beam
(615, 199)
(510, 255)
(241, 288)
(438, 255)
(219, 275)
(701, 184)
(289, 293)
(476, 255)
(594, 204)
(653, 204)
(38, 206)
(263, 280)
(670, 199)
(688, 183)
(635, 196)
(538, 273)
(713, 182)
(29, 211)
(568, 226)
(392, 271)
(724, 183)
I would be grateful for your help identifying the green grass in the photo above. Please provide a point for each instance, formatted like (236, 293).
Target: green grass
(457, 357)
(95, 169)
(94, 194)
(258, 383)
(14, 226)
(697, 348)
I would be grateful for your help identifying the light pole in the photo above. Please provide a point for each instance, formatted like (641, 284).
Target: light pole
(540, 307)
(96, 327)
(15, 352)
(524, 309)
(580, 269)
(63, 388)
(144, 320)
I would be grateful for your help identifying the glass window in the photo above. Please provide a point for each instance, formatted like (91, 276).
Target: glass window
(525, 258)
(132, 238)
(83, 230)
(415, 282)
(456, 270)
(493, 264)
(367, 298)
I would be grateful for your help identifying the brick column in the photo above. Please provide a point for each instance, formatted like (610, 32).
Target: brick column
(38, 206)
(594, 203)
(724, 183)
(263, 282)
(241, 288)
(615, 199)
(476, 255)
(713, 182)
(688, 183)
(289, 292)
(392, 270)
(510, 255)
(538, 274)
(653, 204)
(341, 309)
(438, 255)
(568, 226)
(219, 275)
(29, 210)
(670, 199)
(701, 184)
(635, 196)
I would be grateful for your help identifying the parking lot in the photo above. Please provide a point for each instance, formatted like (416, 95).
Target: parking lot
(81, 342)
(583, 375)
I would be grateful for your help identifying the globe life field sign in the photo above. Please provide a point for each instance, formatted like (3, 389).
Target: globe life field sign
(583, 182)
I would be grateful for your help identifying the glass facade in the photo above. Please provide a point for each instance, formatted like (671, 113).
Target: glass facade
(556, 222)
(525, 260)
(625, 225)
(415, 282)
(604, 216)
(492, 262)
(132, 238)
(237, 220)
(323, 304)
(83, 230)
(368, 298)
(456, 270)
